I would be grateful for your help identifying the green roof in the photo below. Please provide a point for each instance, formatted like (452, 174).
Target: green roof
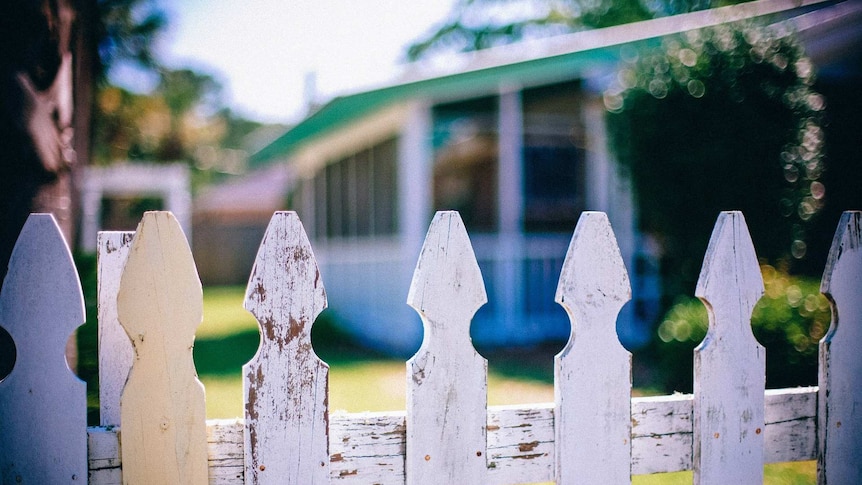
(342, 110)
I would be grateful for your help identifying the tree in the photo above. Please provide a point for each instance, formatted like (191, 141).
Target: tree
(53, 50)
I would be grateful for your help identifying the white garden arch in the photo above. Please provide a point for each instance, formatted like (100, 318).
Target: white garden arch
(170, 182)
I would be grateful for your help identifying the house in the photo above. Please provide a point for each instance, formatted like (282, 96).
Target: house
(511, 137)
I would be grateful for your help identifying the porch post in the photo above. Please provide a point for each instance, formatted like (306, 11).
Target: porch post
(415, 169)
(510, 212)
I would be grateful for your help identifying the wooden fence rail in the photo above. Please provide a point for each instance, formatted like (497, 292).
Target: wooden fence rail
(153, 428)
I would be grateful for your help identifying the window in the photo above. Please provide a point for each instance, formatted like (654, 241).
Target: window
(465, 161)
(356, 196)
(553, 158)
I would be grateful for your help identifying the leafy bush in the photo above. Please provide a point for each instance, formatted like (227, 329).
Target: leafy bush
(789, 321)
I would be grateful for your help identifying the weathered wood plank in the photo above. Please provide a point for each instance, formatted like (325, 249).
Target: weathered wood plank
(791, 424)
(43, 405)
(840, 372)
(285, 385)
(661, 434)
(160, 305)
(520, 444)
(447, 378)
(370, 447)
(592, 374)
(115, 349)
(729, 364)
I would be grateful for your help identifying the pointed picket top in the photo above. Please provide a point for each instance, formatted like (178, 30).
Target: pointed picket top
(162, 408)
(730, 278)
(729, 365)
(593, 436)
(115, 349)
(447, 285)
(447, 378)
(43, 405)
(839, 421)
(285, 384)
(593, 274)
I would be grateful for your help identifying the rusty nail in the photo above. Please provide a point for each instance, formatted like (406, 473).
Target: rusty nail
(262, 467)
(427, 457)
(757, 431)
(478, 453)
(716, 435)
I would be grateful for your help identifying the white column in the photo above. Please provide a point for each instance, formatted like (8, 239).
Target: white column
(510, 178)
(307, 207)
(510, 211)
(415, 179)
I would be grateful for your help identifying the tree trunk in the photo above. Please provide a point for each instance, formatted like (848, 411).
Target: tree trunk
(37, 97)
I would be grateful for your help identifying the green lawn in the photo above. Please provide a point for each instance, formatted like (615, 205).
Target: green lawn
(359, 380)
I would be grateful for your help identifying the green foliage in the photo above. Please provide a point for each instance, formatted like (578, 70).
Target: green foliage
(87, 335)
(789, 321)
(719, 119)
(126, 31)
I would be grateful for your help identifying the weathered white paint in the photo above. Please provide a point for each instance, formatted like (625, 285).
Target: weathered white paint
(43, 406)
(115, 350)
(370, 447)
(517, 443)
(592, 374)
(447, 378)
(159, 304)
(729, 364)
(285, 385)
(840, 419)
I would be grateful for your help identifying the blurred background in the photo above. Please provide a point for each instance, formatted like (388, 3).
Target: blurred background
(367, 117)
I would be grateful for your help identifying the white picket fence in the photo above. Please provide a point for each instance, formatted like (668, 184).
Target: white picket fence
(153, 423)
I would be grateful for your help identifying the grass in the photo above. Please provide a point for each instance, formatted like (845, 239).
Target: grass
(360, 380)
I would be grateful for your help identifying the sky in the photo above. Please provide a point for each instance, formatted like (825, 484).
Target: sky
(262, 51)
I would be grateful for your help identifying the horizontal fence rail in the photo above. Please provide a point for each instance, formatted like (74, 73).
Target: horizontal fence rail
(153, 428)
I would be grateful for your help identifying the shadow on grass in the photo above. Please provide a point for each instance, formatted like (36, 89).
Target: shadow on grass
(533, 363)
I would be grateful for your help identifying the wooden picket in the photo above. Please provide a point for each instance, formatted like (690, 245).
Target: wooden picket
(115, 349)
(729, 364)
(725, 431)
(43, 406)
(840, 399)
(593, 373)
(447, 378)
(162, 408)
(285, 385)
